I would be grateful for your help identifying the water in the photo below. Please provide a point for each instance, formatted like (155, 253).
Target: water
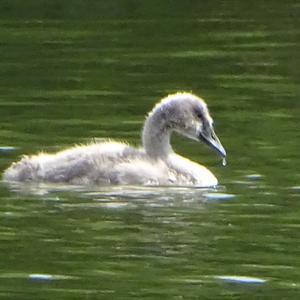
(72, 72)
(224, 162)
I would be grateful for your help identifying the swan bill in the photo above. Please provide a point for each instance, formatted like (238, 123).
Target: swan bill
(211, 139)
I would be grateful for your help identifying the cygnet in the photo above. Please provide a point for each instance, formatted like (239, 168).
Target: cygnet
(113, 162)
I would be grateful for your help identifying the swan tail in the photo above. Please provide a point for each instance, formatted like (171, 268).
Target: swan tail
(24, 170)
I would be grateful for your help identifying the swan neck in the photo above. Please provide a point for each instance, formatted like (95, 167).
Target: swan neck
(156, 135)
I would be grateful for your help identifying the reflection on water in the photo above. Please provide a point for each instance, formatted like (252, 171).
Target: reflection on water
(148, 238)
(69, 76)
(129, 194)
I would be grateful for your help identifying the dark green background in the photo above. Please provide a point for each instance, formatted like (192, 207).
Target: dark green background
(71, 71)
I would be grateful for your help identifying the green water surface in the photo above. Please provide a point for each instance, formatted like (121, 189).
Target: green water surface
(73, 71)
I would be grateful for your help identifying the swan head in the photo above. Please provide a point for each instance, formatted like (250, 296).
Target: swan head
(188, 115)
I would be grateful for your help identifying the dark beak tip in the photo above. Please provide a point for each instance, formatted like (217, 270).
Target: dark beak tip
(223, 153)
(215, 144)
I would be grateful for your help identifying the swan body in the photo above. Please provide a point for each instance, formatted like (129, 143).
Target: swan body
(112, 162)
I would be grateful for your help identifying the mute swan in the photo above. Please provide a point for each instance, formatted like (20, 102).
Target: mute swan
(117, 163)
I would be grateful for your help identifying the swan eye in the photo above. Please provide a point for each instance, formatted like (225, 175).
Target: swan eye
(199, 114)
